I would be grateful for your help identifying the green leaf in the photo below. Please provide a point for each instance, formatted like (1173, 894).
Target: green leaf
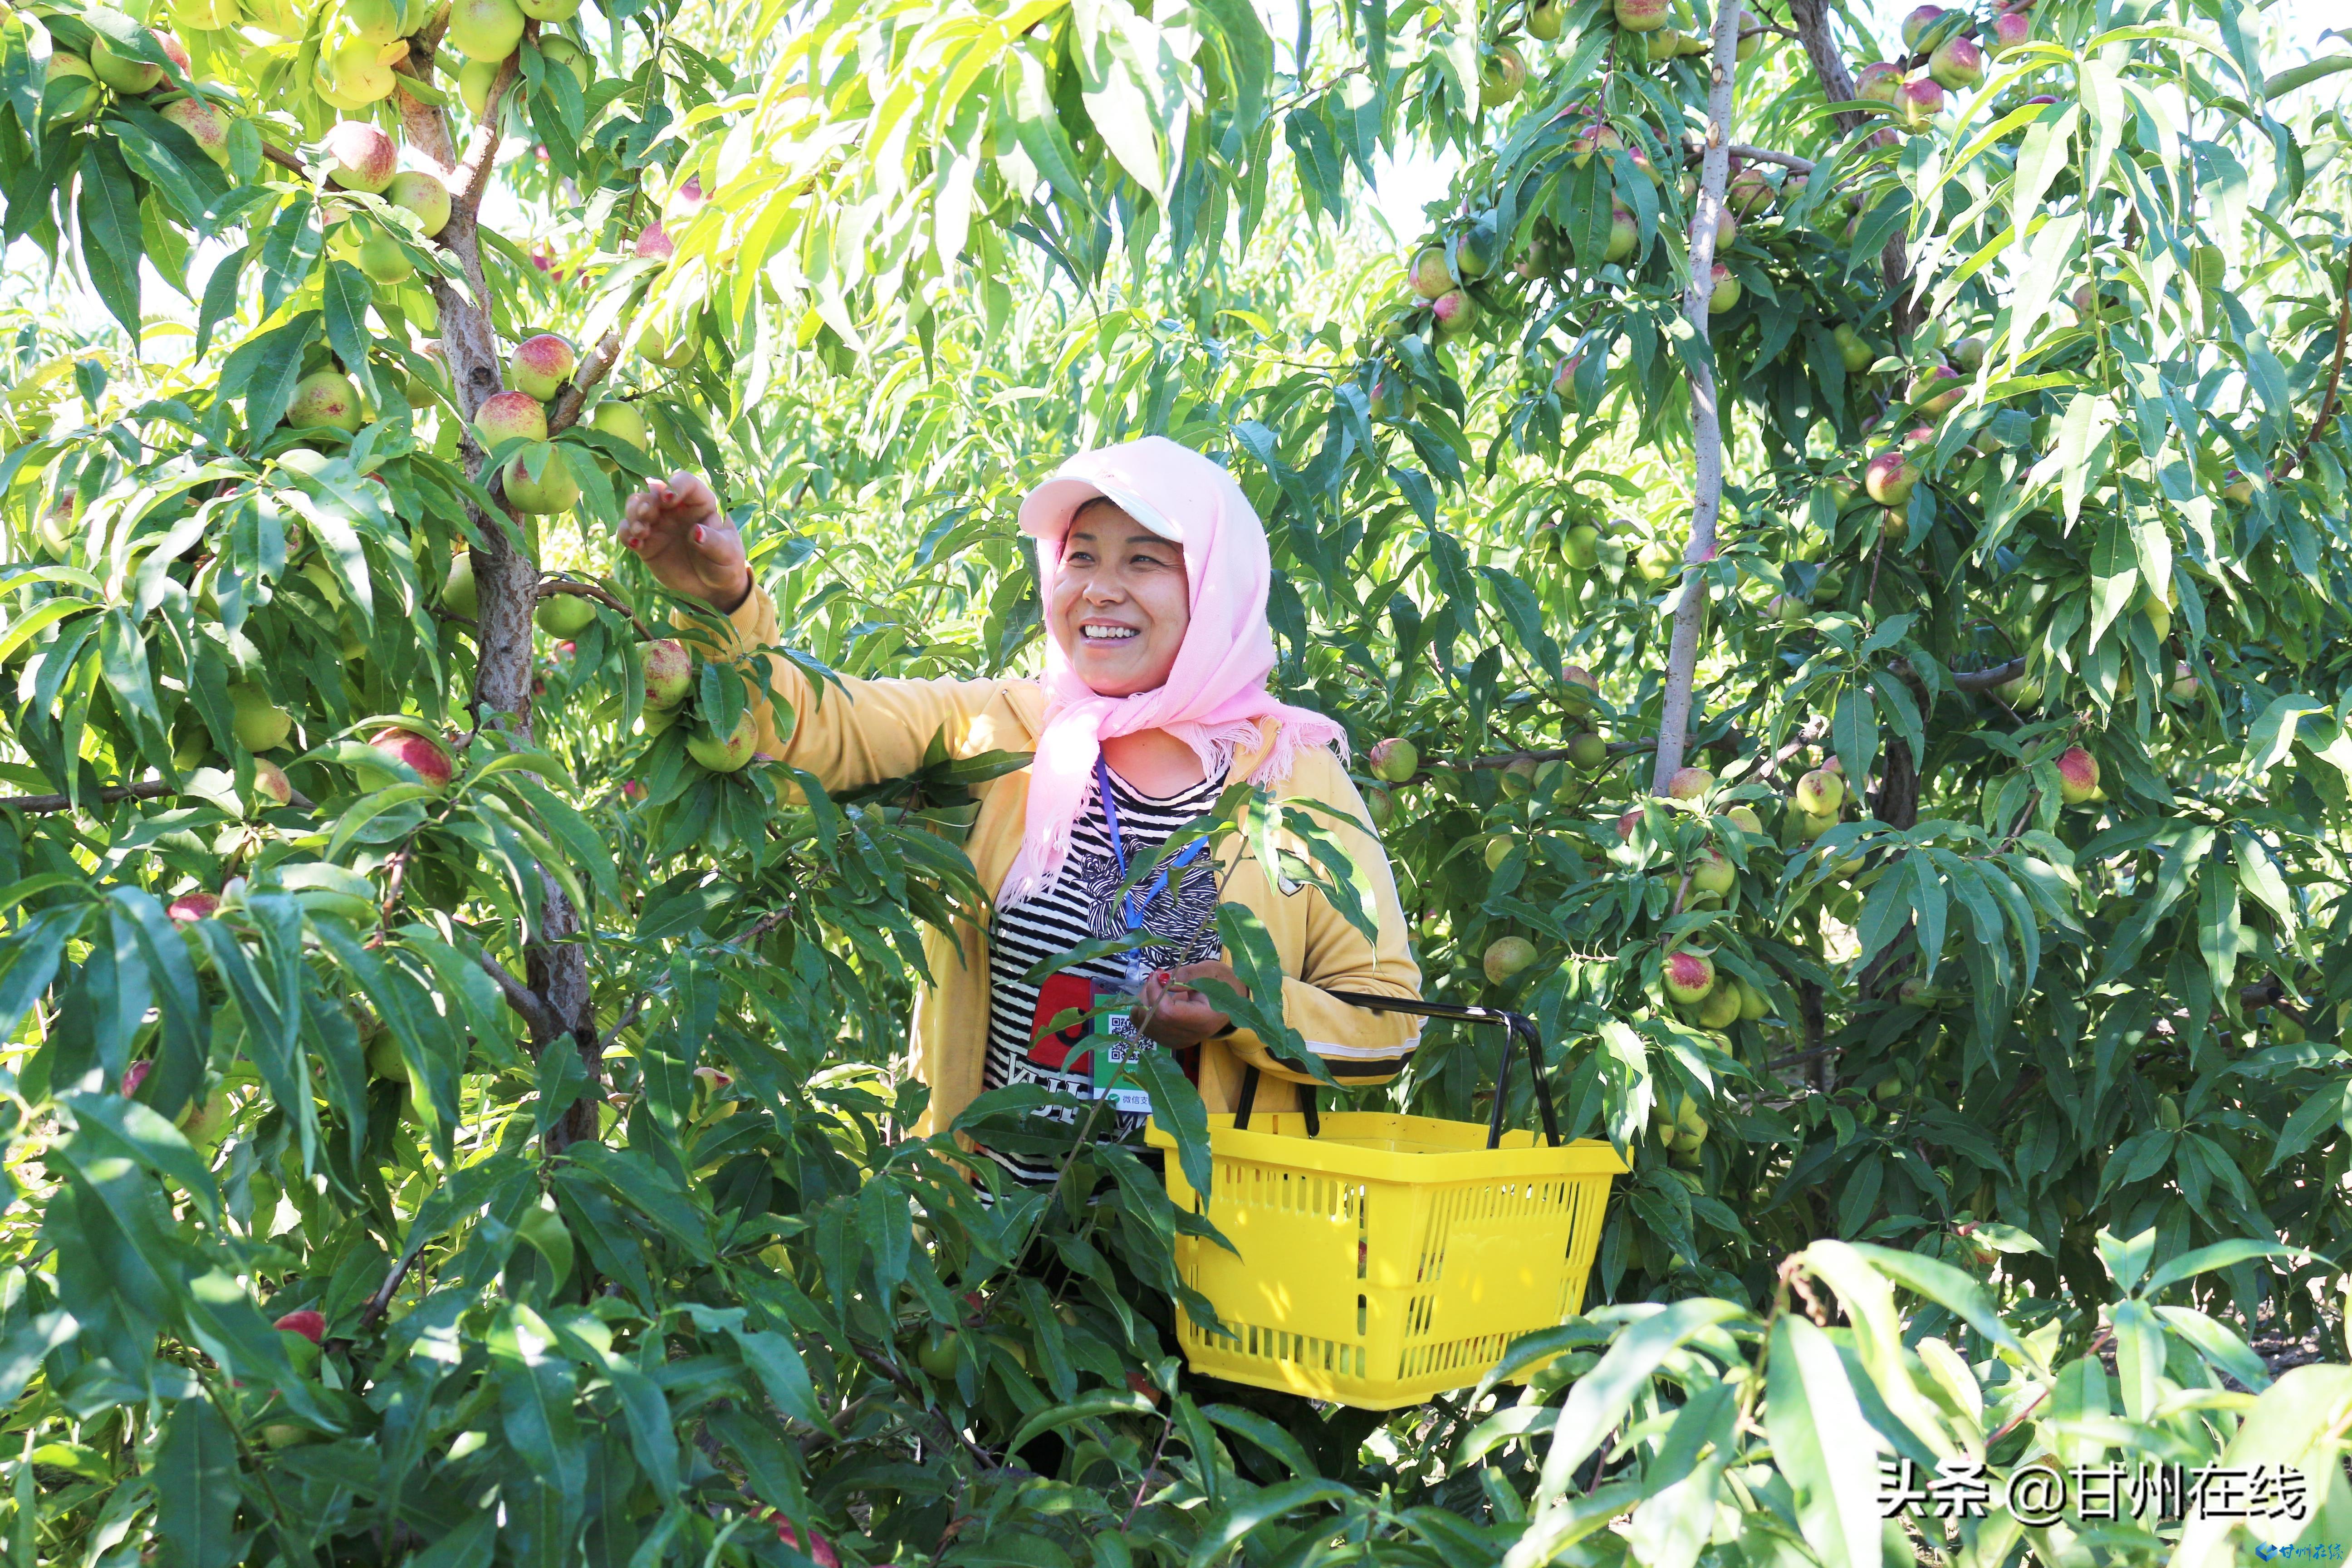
(1246, 1517)
(107, 207)
(2219, 1254)
(196, 1488)
(1822, 1444)
(1598, 1400)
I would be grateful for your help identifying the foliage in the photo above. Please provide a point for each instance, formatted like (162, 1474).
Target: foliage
(568, 1096)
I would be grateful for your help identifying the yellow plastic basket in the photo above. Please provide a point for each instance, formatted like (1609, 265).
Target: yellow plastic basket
(1384, 1259)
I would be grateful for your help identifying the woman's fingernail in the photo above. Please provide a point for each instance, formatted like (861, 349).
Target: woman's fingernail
(698, 534)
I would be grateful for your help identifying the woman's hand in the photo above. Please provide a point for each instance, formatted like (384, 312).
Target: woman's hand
(679, 532)
(1171, 1013)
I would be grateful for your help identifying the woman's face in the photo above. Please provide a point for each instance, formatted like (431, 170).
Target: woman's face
(1121, 602)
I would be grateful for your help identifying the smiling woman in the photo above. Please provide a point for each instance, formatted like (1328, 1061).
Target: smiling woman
(1154, 571)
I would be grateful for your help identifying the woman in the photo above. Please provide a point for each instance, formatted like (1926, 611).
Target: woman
(1153, 571)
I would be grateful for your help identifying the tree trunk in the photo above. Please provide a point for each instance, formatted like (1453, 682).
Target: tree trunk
(506, 577)
(1707, 423)
(1812, 21)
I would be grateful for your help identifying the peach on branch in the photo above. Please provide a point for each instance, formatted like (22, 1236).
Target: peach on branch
(1588, 750)
(475, 78)
(621, 422)
(1578, 688)
(122, 72)
(1624, 233)
(324, 399)
(423, 193)
(308, 1322)
(550, 11)
(1929, 393)
(564, 615)
(256, 719)
(1393, 761)
(654, 242)
(1719, 1008)
(1689, 784)
(1391, 395)
(1957, 63)
(1920, 101)
(1688, 976)
(1501, 74)
(1819, 793)
(270, 782)
(669, 673)
(1748, 192)
(1642, 16)
(1916, 24)
(204, 124)
(484, 30)
(1455, 313)
(1581, 546)
(458, 595)
(385, 261)
(1543, 20)
(1431, 275)
(2078, 775)
(359, 157)
(204, 15)
(1598, 135)
(554, 491)
(1725, 293)
(2010, 32)
(397, 748)
(1711, 873)
(1855, 350)
(1879, 82)
(351, 73)
(1744, 818)
(1969, 352)
(1506, 957)
(725, 753)
(509, 416)
(541, 366)
(68, 86)
(187, 908)
(1891, 477)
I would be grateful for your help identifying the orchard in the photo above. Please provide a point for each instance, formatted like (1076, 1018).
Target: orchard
(1831, 547)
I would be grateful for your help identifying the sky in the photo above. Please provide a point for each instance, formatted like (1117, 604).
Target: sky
(1404, 187)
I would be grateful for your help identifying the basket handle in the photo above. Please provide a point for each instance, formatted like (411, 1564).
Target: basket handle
(1517, 1027)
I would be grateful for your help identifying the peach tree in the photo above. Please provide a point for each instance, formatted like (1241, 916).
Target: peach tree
(1854, 572)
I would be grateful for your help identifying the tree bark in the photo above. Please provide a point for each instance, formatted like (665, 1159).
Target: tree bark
(1812, 20)
(1706, 422)
(506, 577)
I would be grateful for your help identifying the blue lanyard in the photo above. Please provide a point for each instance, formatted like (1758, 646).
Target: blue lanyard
(1130, 910)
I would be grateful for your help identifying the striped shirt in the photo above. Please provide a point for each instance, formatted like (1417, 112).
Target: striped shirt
(1083, 904)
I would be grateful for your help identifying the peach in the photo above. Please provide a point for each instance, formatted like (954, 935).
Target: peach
(541, 366)
(360, 157)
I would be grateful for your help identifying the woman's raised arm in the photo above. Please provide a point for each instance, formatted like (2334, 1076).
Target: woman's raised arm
(849, 736)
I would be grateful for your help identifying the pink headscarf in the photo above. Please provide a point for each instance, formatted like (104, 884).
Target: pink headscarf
(1216, 693)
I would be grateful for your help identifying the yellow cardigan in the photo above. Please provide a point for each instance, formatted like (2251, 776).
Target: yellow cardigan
(878, 729)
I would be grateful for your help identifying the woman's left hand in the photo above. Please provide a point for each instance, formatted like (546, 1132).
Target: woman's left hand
(1171, 1013)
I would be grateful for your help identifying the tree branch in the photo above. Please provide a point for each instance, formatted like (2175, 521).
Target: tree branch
(550, 586)
(526, 1006)
(1986, 679)
(1812, 20)
(1554, 754)
(565, 414)
(1767, 155)
(2335, 371)
(1706, 489)
(151, 790)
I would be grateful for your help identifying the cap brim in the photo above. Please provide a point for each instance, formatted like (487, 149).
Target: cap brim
(1046, 512)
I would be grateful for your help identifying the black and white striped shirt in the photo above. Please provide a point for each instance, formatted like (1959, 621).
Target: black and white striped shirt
(1083, 904)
